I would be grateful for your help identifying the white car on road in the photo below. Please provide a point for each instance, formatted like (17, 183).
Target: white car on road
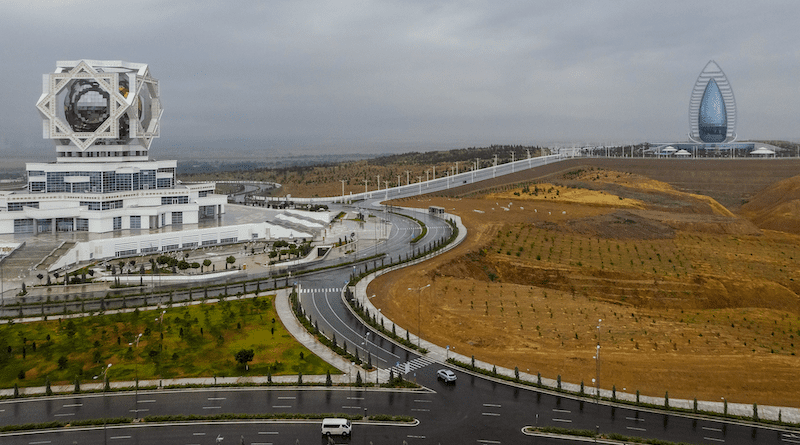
(447, 375)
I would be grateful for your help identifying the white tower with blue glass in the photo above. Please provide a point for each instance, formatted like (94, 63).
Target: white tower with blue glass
(712, 108)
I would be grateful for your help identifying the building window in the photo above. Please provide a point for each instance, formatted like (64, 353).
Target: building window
(81, 225)
(117, 222)
(189, 245)
(136, 222)
(130, 252)
(203, 193)
(170, 247)
(23, 226)
(17, 206)
(177, 217)
(149, 249)
(228, 240)
(209, 242)
(167, 200)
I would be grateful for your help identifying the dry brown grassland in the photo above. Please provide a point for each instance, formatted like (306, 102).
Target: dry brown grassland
(693, 299)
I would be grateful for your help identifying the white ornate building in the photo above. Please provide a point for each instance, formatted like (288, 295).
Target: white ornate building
(103, 117)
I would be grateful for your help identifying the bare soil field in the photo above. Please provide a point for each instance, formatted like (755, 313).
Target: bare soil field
(695, 299)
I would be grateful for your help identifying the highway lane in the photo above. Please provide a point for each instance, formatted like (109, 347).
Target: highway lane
(256, 433)
(471, 410)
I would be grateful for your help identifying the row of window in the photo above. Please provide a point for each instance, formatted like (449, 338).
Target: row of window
(81, 224)
(100, 182)
(167, 200)
(17, 206)
(102, 205)
(173, 247)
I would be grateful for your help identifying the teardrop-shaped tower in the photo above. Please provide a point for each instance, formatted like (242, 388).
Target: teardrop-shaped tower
(712, 108)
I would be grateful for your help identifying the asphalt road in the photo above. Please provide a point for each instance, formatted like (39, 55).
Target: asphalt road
(473, 410)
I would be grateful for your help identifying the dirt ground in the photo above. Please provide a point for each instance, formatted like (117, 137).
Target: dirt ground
(694, 299)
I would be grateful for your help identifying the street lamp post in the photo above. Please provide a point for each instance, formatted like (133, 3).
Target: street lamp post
(105, 375)
(419, 311)
(597, 363)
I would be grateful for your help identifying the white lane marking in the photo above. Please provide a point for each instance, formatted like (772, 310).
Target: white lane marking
(72, 405)
(64, 414)
(358, 398)
(713, 439)
(212, 407)
(120, 437)
(790, 440)
(350, 407)
(267, 432)
(216, 398)
(140, 410)
(708, 428)
(146, 401)
(424, 410)
(416, 437)
(555, 410)
(487, 441)
(562, 420)
(39, 442)
(351, 329)
(281, 406)
(287, 398)
(423, 401)
(198, 434)
(492, 405)
(490, 414)
(635, 419)
(635, 428)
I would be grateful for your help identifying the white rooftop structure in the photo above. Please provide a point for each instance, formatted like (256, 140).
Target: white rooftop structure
(102, 117)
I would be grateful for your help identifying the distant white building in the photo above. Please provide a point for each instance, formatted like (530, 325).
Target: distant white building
(102, 117)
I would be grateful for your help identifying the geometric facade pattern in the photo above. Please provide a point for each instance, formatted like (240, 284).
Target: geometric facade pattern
(103, 117)
(88, 105)
(712, 107)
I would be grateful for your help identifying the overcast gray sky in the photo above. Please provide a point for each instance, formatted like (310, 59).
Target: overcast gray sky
(372, 77)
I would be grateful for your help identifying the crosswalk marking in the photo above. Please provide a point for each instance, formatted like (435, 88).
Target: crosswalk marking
(305, 290)
(413, 365)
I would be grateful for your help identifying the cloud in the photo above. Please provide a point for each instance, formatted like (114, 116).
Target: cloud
(337, 76)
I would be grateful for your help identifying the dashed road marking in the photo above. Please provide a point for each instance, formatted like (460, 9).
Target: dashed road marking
(636, 419)
(708, 428)
(714, 439)
(216, 398)
(72, 405)
(492, 405)
(120, 437)
(146, 401)
(281, 406)
(64, 414)
(212, 407)
(556, 410)
(562, 420)
(635, 428)
(490, 414)
(198, 434)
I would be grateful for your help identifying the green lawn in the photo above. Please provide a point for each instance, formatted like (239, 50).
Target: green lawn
(198, 341)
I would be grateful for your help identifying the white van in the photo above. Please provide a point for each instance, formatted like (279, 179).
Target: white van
(336, 427)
